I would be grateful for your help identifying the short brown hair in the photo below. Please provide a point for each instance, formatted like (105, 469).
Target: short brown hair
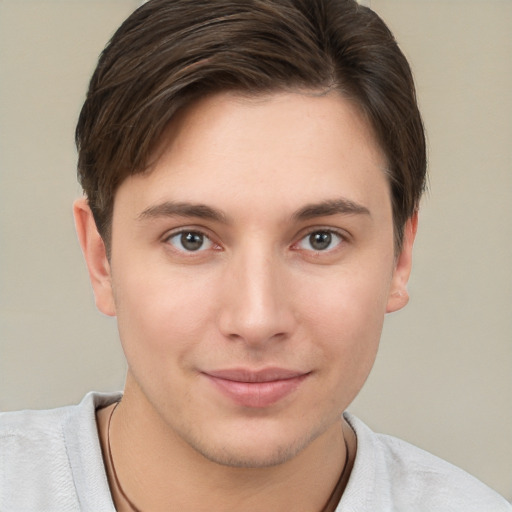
(170, 52)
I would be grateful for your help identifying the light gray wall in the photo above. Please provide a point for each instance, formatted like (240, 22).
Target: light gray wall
(443, 378)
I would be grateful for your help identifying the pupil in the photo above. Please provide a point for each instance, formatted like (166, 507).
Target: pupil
(192, 241)
(321, 240)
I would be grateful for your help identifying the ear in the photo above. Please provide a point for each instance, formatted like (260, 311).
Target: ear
(95, 256)
(398, 294)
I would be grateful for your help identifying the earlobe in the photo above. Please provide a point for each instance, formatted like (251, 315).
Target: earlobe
(95, 255)
(398, 294)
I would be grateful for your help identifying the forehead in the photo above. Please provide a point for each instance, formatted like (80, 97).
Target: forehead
(280, 147)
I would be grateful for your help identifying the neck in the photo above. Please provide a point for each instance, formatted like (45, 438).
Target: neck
(157, 470)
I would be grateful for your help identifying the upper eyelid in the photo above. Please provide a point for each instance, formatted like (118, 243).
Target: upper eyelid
(331, 231)
(342, 233)
(188, 229)
(181, 230)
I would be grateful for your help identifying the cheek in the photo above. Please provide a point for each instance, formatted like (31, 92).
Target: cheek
(346, 320)
(160, 316)
(349, 303)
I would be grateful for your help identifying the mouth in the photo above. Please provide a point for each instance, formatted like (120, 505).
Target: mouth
(256, 389)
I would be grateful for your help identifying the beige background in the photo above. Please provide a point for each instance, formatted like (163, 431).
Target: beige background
(443, 378)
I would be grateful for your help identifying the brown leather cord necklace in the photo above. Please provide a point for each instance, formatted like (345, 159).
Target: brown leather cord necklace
(112, 466)
(330, 506)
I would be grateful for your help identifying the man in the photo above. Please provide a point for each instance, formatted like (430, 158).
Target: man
(252, 173)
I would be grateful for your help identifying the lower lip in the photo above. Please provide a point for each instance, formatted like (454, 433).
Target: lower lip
(257, 394)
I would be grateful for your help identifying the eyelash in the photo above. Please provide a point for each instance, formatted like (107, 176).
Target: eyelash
(210, 244)
(190, 232)
(332, 233)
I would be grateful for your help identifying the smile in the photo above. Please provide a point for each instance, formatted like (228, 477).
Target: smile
(256, 389)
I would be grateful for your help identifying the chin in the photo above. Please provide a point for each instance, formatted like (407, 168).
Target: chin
(256, 449)
(251, 458)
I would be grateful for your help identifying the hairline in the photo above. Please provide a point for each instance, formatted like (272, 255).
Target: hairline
(161, 141)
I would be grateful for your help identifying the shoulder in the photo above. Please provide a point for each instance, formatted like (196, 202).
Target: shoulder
(43, 455)
(403, 477)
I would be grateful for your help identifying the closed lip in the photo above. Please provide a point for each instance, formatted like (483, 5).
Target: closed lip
(256, 388)
(261, 375)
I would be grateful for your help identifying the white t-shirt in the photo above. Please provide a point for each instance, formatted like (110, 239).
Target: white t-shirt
(51, 461)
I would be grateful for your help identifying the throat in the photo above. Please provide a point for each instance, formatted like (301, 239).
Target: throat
(141, 483)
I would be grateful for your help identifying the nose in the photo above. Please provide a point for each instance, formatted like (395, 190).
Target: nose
(256, 303)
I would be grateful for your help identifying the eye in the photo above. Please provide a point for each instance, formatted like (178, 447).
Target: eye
(190, 241)
(322, 240)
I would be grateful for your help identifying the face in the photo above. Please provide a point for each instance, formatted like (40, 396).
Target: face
(250, 273)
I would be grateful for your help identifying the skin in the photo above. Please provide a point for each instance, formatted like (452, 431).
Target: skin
(277, 171)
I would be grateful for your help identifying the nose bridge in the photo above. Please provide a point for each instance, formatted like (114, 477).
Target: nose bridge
(255, 306)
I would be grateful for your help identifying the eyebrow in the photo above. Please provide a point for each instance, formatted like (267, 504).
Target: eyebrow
(331, 207)
(310, 211)
(173, 209)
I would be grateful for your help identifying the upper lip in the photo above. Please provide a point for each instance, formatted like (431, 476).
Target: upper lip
(262, 375)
